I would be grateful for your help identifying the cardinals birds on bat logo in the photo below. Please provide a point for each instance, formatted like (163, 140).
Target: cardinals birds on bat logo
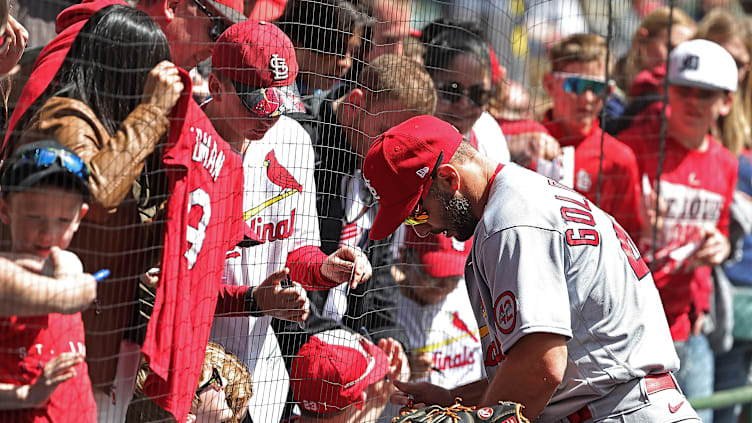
(280, 177)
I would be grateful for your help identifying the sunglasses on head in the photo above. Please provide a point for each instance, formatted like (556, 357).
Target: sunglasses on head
(419, 215)
(218, 24)
(452, 92)
(215, 380)
(46, 157)
(578, 85)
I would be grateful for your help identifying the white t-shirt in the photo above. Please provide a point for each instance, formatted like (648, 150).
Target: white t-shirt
(545, 259)
(448, 332)
(491, 140)
(280, 206)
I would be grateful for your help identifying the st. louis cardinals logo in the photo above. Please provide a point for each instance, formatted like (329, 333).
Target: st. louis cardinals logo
(279, 67)
(280, 177)
(505, 312)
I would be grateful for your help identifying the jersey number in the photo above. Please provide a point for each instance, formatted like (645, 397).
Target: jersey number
(631, 251)
(195, 236)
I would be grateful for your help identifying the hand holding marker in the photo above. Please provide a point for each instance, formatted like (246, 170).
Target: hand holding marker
(287, 283)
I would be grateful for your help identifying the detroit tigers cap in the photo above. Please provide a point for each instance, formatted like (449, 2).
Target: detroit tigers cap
(439, 256)
(332, 370)
(397, 168)
(260, 60)
(702, 64)
(47, 162)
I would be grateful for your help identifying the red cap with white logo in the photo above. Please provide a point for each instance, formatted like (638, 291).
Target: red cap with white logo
(398, 167)
(260, 60)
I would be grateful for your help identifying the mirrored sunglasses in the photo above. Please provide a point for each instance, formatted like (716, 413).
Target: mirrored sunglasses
(578, 85)
(419, 215)
(452, 92)
(46, 157)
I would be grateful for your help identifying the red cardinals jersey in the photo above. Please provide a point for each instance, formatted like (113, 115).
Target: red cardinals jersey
(697, 187)
(204, 221)
(619, 181)
(28, 344)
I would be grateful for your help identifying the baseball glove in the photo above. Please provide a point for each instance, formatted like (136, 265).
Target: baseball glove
(504, 412)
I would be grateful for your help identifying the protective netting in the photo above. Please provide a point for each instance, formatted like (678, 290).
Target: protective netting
(212, 166)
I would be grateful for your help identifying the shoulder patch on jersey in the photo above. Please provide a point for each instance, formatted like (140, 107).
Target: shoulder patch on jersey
(505, 312)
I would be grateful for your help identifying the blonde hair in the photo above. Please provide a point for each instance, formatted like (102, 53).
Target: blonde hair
(401, 79)
(577, 48)
(237, 391)
(735, 129)
(660, 19)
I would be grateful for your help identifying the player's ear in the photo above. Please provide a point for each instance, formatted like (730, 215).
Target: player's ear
(215, 87)
(448, 178)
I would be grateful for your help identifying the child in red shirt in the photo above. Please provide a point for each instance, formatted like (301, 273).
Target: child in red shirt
(43, 376)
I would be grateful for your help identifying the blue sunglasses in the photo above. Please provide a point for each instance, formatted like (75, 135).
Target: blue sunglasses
(578, 85)
(46, 157)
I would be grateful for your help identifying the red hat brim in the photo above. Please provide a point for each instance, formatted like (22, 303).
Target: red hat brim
(390, 217)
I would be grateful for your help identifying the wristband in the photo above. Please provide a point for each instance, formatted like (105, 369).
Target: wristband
(251, 306)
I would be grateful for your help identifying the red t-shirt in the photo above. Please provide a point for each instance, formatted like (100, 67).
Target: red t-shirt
(619, 181)
(204, 221)
(28, 344)
(68, 24)
(697, 186)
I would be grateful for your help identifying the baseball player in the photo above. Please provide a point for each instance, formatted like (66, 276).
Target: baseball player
(569, 313)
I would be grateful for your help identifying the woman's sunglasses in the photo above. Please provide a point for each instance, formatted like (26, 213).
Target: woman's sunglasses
(452, 92)
(218, 24)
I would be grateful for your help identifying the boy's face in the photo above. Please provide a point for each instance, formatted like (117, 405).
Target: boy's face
(576, 113)
(42, 218)
(693, 110)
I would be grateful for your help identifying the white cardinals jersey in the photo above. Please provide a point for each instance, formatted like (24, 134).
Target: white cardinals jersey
(448, 334)
(279, 205)
(545, 259)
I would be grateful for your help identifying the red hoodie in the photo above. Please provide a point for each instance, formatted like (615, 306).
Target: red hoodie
(69, 22)
(619, 181)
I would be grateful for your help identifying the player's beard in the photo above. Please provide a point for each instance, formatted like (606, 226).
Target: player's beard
(457, 213)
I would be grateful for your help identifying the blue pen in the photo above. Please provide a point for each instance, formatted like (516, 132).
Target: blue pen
(101, 274)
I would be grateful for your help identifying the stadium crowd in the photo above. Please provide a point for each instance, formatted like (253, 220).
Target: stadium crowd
(189, 233)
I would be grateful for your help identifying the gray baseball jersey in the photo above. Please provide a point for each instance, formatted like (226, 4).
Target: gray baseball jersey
(546, 259)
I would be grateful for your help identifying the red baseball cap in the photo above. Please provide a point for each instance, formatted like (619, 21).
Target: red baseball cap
(332, 370)
(439, 256)
(399, 165)
(260, 60)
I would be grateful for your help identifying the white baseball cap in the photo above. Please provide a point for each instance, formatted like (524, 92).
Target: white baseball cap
(702, 64)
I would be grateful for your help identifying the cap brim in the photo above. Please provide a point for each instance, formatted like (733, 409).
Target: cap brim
(62, 178)
(270, 102)
(390, 217)
(380, 368)
(696, 84)
(230, 15)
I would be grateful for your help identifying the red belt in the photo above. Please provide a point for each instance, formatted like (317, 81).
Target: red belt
(653, 384)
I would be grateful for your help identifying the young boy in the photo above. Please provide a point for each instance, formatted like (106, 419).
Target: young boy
(435, 310)
(697, 181)
(605, 170)
(44, 197)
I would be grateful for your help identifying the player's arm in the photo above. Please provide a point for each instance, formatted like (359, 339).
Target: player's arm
(532, 370)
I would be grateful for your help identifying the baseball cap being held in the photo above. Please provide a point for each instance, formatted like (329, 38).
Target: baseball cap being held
(260, 60)
(44, 162)
(401, 164)
(332, 370)
(702, 64)
(439, 256)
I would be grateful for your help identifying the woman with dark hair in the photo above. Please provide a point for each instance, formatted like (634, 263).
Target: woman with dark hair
(458, 59)
(109, 103)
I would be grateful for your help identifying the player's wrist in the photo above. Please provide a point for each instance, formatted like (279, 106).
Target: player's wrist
(251, 305)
